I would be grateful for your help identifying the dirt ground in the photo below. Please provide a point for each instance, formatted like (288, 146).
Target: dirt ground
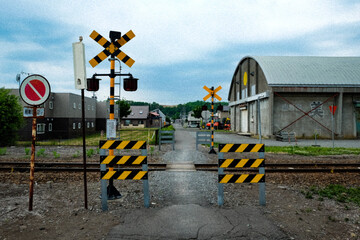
(59, 213)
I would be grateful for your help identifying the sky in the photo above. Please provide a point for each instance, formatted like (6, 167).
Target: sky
(180, 45)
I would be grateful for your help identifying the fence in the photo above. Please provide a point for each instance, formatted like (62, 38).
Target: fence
(203, 138)
(166, 137)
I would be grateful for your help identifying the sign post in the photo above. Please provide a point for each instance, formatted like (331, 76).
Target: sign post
(81, 84)
(212, 94)
(112, 49)
(34, 90)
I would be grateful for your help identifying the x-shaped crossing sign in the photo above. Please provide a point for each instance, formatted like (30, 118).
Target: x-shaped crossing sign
(112, 48)
(212, 93)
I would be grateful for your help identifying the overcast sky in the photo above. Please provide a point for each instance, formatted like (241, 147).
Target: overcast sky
(180, 45)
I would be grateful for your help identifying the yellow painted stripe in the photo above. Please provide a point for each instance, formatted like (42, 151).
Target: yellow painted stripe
(94, 34)
(256, 148)
(227, 147)
(217, 89)
(242, 147)
(130, 34)
(226, 163)
(93, 62)
(122, 145)
(257, 178)
(108, 159)
(217, 97)
(138, 144)
(226, 178)
(257, 163)
(242, 178)
(111, 116)
(140, 175)
(242, 163)
(107, 144)
(102, 56)
(124, 175)
(102, 41)
(109, 174)
(123, 160)
(121, 55)
(139, 159)
(130, 62)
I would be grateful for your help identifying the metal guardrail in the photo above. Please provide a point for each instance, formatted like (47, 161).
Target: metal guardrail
(203, 138)
(167, 137)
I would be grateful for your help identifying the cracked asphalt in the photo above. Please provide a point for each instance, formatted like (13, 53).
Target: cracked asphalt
(189, 205)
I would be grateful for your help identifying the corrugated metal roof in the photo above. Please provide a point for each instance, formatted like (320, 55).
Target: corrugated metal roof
(310, 71)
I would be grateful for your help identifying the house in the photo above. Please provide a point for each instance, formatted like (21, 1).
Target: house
(138, 118)
(160, 115)
(63, 117)
(192, 121)
(296, 94)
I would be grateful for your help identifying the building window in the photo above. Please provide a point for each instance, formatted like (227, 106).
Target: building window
(92, 124)
(253, 90)
(74, 125)
(88, 107)
(93, 108)
(88, 124)
(74, 106)
(141, 122)
(40, 128)
(51, 105)
(79, 106)
(141, 112)
(79, 125)
(50, 127)
(127, 122)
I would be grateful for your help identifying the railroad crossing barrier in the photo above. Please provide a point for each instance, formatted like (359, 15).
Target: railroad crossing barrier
(108, 161)
(203, 138)
(167, 137)
(241, 163)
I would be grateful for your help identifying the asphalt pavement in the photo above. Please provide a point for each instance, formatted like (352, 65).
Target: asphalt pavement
(190, 211)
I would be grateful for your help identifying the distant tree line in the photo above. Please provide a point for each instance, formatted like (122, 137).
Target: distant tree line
(175, 112)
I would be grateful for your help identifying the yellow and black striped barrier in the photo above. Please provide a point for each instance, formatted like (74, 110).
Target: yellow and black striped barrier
(241, 163)
(244, 147)
(117, 144)
(124, 174)
(123, 160)
(241, 178)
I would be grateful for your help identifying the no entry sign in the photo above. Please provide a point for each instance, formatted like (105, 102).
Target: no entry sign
(35, 90)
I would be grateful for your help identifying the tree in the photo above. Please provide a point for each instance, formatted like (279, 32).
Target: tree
(197, 111)
(11, 119)
(124, 108)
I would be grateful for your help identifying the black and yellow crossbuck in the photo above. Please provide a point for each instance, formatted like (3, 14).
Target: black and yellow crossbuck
(112, 48)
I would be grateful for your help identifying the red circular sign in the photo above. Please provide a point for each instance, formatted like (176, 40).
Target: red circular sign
(35, 90)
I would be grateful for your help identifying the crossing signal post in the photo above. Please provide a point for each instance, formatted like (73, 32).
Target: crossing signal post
(212, 94)
(112, 49)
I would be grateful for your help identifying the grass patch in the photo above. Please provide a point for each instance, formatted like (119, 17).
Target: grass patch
(312, 151)
(2, 151)
(143, 134)
(168, 128)
(337, 192)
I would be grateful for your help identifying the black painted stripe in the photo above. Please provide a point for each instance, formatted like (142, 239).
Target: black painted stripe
(112, 91)
(130, 144)
(97, 59)
(126, 38)
(97, 38)
(125, 59)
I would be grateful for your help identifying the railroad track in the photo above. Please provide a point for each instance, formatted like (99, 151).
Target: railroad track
(269, 168)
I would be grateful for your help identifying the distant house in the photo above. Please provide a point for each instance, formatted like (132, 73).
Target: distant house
(139, 117)
(192, 121)
(224, 113)
(160, 115)
(62, 119)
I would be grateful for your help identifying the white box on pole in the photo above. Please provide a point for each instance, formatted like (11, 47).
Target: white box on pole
(79, 65)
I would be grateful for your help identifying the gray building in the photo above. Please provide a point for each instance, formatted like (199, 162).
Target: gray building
(295, 94)
(62, 117)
